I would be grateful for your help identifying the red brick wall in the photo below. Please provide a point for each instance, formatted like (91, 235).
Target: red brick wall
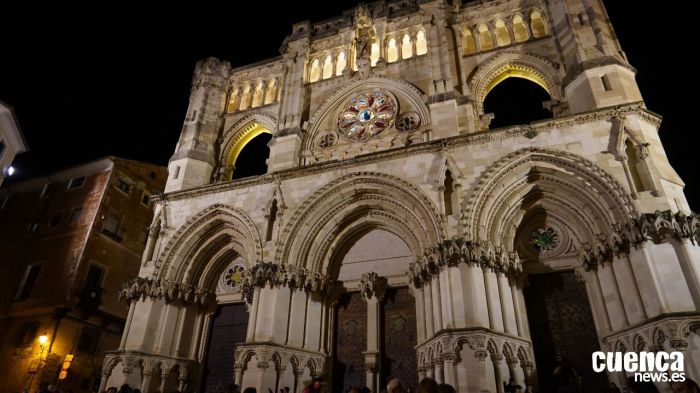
(228, 330)
(350, 342)
(399, 338)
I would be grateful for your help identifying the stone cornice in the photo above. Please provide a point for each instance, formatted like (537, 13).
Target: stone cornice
(528, 131)
(454, 252)
(172, 292)
(282, 275)
(655, 227)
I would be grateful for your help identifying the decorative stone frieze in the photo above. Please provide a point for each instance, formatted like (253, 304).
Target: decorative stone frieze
(655, 227)
(372, 285)
(172, 292)
(275, 275)
(665, 334)
(456, 251)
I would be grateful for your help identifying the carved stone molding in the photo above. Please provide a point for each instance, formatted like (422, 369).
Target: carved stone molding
(446, 347)
(670, 333)
(456, 251)
(277, 275)
(655, 227)
(146, 364)
(141, 288)
(281, 356)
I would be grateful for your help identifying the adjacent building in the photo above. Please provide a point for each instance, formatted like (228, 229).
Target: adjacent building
(67, 241)
(395, 232)
(11, 140)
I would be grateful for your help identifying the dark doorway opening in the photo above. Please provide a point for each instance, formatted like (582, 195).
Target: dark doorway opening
(516, 101)
(228, 330)
(399, 338)
(350, 341)
(561, 323)
(252, 161)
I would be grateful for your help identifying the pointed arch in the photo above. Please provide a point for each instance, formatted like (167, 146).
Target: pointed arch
(421, 43)
(520, 32)
(354, 203)
(218, 227)
(570, 188)
(314, 70)
(406, 47)
(392, 50)
(538, 24)
(468, 43)
(340, 63)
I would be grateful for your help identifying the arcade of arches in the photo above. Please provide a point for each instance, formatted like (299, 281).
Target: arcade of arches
(397, 231)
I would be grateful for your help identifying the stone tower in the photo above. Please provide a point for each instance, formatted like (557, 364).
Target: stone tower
(395, 233)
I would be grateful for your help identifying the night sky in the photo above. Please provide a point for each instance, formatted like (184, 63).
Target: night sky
(113, 79)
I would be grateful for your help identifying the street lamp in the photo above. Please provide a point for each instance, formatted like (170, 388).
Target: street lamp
(43, 339)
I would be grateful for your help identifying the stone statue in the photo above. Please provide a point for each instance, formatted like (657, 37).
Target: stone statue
(364, 33)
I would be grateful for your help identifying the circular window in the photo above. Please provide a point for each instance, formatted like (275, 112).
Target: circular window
(233, 276)
(544, 239)
(367, 115)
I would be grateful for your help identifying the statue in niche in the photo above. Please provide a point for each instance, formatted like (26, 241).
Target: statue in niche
(364, 33)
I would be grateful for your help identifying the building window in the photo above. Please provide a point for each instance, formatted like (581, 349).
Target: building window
(33, 226)
(75, 215)
(606, 83)
(111, 224)
(76, 182)
(94, 276)
(55, 221)
(146, 199)
(48, 190)
(30, 276)
(123, 186)
(176, 172)
(89, 338)
(27, 334)
(2, 148)
(271, 220)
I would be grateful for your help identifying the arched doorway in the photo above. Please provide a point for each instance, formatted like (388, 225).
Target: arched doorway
(380, 332)
(516, 100)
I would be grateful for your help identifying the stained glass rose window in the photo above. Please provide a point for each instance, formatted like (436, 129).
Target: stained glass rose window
(233, 276)
(367, 115)
(544, 239)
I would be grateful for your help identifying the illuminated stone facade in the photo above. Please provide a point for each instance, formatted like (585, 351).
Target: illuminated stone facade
(354, 212)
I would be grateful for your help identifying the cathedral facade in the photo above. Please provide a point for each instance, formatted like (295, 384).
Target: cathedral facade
(395, 233)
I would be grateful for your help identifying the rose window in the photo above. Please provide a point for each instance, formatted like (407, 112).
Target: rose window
(233, 276)
(544, 239)
(367, 115)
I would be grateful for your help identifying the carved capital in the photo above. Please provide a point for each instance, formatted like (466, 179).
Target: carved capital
(373, 286)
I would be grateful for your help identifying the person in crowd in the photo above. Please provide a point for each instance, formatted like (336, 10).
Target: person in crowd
(687, 386)
(446, 388)
(427, 385)
(613, 388)
(250, 390)
(395, 386)
(517, 389)
(510, 386)
(530, 389)
(125, 388)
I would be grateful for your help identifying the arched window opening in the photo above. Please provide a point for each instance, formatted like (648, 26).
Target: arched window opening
(271, 220)
(468, 44)
(633, 162)
(449, 194)
(406, 47)
(315, 71)
(485, 38)
(252, 159)
(233, 102)
(270, 92)
(502, 33)
(374, 54)
(537, 24)
(328, 67)
(421, 43)
(259, 94)
(516, 100)
(519, 29)
(245, 98)
(340, 64)
(392, 51)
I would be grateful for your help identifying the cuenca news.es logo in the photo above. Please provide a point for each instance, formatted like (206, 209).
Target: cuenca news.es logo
(645, 366)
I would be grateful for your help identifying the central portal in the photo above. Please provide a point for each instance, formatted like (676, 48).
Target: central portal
(386, 323)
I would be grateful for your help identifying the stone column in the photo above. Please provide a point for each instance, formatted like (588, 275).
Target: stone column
(481, 356)
(449, 360)
(145, 381)
(439, 371)
(373, 287)
(496, 361)
(127, 325)
(103, 381)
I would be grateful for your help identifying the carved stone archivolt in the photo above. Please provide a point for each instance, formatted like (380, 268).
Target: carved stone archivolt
(141, 288)
(456, 251)
(655, 227)
(283, 275)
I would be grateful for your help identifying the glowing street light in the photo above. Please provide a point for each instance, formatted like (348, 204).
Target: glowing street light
(43, 339)
(9, 170)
